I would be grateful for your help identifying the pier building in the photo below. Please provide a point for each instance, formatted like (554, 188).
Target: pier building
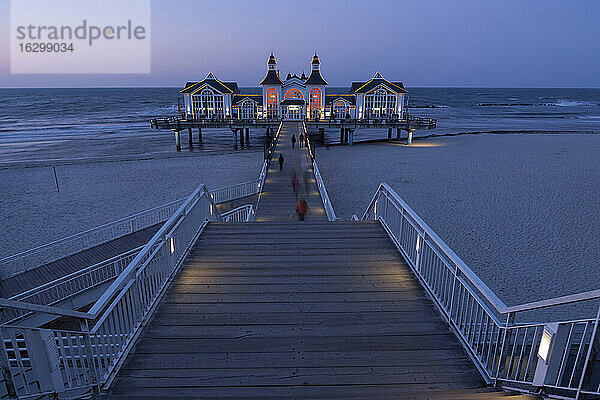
(295, 98)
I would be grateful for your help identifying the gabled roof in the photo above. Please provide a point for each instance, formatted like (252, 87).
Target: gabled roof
(212, 81)
(239, 98)
(331, 98)
(315, 78)
(378, 79)
(272, 78)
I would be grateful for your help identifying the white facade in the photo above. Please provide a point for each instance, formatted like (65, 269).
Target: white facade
(297, 98)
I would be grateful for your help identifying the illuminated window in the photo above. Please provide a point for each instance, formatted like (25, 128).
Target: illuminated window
(340, 108)
(315, 103)
(293, 94)
(272, 103)
(380, 104)
(248, 110)
(208, 104)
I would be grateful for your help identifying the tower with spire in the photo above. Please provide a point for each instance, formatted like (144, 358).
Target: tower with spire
(315, 87)
(271, 89)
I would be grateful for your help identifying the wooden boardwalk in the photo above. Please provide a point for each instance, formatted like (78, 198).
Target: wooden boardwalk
(289, 310)
(278, 200)
(297, 310)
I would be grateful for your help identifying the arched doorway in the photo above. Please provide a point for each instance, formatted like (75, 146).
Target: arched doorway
(248, 110)
(293, 104)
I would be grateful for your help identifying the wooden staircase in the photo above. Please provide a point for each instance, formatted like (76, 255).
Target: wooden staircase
(311, 309)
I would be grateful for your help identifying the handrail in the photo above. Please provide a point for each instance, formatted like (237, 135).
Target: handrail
(466, 271)
(147, 250)
(556, 301)
(504, 351)
(329, 211)
(498, 304)
(63, 312)
(72, 244)
(116, 318)
(57, 249)
(243, 213)
(65, 278)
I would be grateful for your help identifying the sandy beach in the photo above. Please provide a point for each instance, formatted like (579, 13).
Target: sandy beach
(521, 210)
(98, 192)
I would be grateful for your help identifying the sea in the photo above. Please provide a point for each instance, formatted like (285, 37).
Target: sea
(40, 124)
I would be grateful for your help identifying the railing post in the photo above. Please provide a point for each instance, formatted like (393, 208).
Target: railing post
(89, 353)
(45, 361)
(6, 370)
(510, 319)
(590, 357)
(418, 246)
(454, 283)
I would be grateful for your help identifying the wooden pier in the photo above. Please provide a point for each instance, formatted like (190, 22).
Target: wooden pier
(241, 127)
(290, 309)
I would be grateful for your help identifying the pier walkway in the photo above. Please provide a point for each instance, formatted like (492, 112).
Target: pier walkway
(278, 201)
(290, 309)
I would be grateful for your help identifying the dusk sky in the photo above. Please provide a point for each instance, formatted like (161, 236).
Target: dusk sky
(508, 43)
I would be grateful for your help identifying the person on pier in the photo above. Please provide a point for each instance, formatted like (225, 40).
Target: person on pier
(293, 140)
(281, 160)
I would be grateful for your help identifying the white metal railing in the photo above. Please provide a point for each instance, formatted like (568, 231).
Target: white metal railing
(61, 361)
(240, 214)
(68, 286)
(319, 179)
(558, 357)
(33, 258)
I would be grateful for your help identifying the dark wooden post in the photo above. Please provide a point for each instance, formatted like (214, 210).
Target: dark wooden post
(398, 134)
(241, 130)
(190, 138)
(178, 140)
(234, 138)
(342, 135)
(248, 136)
(199, 134)
(389, 133)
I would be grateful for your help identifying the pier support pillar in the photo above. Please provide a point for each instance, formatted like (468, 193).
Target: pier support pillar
(398, 134)
(190, 138)
(248, 136)
(199, 134)
(322, 132)
(241, 138)
(234, 138)
(342, 135)
(410, 135)
(178, 140)
(389, 133)
(351, 136)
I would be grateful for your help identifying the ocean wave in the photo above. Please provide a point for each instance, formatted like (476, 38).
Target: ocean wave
(558, 103)
(572, 103)
(428, 106)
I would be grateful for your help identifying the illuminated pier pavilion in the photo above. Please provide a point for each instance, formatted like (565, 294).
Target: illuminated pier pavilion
(296, 98)
(215, 103)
